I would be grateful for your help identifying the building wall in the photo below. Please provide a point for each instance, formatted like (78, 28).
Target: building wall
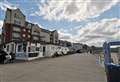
(16, 28)
(15, 17)
(77, 46)
(36, 33)
(54, 37)
(10, 47)
(6, 32)
(13, 25)
(45, 36)
(15, 32)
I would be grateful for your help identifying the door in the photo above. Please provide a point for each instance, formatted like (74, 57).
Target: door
(43, 50)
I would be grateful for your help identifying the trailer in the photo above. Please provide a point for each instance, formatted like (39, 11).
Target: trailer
(112, 62)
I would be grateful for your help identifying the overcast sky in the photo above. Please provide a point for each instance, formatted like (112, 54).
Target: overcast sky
(85, 21)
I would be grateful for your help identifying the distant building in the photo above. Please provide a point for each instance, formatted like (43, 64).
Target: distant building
(62, 43)
(65, 43)
(54, 37)
(16, 27)
(49, 36)
(77, 46)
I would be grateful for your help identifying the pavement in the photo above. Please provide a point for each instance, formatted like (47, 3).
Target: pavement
(70, 68)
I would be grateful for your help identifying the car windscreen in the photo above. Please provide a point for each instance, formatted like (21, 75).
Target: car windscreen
(115, 54)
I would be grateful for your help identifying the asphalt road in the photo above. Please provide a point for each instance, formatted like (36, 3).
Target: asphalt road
(71, 68)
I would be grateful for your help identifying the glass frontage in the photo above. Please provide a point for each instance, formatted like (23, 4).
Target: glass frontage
(20, 48)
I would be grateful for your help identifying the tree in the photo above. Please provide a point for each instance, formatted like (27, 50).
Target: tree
(85, 47)
(93, 49)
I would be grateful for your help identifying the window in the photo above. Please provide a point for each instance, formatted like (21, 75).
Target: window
(37, 48)
(16, 29)
(20, 48)
(17, 22)
(28, 49)
(32, 48)
(16, 35)
(7, 48)
(36, 38)
(15, 15)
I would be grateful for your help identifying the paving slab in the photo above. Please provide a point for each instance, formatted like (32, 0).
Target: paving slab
(71, 68)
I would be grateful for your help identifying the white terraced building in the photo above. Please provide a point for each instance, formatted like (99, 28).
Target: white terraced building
(33, 50)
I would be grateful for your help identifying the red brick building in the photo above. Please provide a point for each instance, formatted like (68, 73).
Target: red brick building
(16, 27)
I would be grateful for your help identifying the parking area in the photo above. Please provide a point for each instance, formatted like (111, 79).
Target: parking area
(71, 68)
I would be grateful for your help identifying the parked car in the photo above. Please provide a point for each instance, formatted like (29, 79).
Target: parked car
(79, 51)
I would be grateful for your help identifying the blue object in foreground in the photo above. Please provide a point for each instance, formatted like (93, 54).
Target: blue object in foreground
(112, 70)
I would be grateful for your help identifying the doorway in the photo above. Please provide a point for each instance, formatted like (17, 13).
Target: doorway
(43, 50)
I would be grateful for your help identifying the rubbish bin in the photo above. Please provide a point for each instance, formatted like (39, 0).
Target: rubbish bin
(113, 72)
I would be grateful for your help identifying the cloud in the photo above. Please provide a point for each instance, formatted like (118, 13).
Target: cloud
(5, 4)
(73, 9)
(95, 33)
(64, 34)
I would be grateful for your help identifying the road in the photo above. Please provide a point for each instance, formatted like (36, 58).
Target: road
(71, 68)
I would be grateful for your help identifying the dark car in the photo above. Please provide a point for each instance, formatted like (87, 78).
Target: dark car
(79, 51)
(3, 55)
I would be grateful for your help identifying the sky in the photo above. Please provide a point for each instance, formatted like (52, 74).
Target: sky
(90, 22)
